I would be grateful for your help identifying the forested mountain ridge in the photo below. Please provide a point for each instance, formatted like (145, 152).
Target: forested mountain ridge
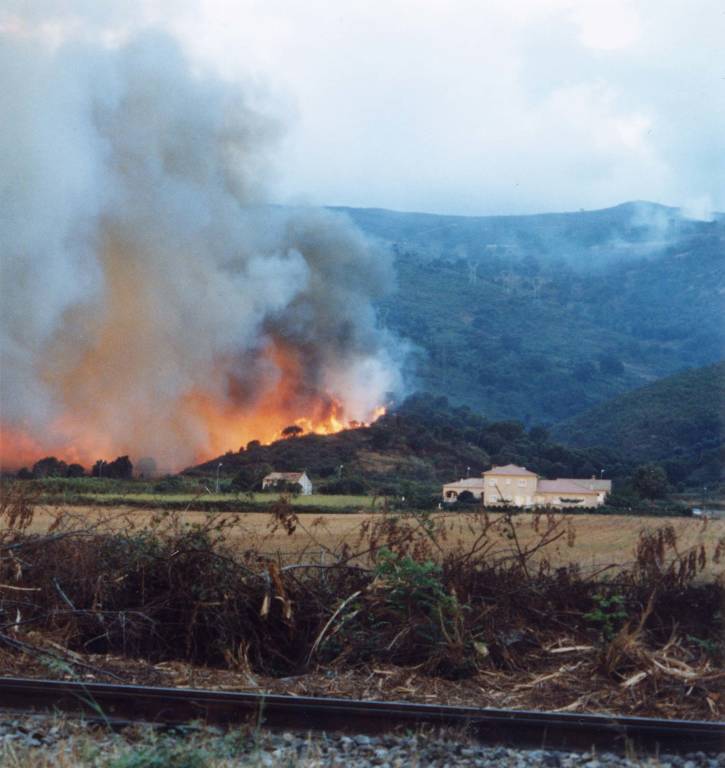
(539, 318)
(677, 421)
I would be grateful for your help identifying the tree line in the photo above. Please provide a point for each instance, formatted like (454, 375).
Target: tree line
(121, 468)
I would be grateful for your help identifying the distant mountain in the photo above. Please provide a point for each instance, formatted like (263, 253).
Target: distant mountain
(582, 239)
(678, 420)
(541, 317)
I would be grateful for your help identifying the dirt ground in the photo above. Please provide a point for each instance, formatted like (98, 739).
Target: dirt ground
(563, 682)
(597, 541)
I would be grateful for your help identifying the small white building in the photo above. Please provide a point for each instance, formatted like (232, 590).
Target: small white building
(273, 479)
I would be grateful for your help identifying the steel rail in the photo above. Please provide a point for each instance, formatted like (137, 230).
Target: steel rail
(177, 706)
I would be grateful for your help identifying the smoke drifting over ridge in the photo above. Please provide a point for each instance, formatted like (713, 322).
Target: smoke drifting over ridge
(151, 303)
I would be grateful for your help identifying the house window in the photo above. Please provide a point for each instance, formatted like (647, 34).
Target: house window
(492, 483)
(521, 483)
(493, 497)
(508, 481)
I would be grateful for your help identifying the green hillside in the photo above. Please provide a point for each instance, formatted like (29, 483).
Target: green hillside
(539, 318)
(424, 442)
(678, 420)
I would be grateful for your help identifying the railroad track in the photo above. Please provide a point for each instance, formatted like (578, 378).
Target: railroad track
(120, 704)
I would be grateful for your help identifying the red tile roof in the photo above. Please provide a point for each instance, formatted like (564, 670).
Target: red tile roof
(510, 469)
(596, 484)
(469, 482)
(291, 477)
(563, 485)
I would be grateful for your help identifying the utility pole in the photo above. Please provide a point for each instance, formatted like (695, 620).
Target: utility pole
(218, 467)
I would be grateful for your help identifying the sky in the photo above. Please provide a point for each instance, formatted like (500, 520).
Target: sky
(455, 106)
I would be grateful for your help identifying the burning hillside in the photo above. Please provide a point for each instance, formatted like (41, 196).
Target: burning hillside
(152, 303)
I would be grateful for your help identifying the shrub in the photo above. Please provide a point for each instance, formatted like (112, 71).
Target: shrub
(169, 484)
(49, 467)
(249, 477)
(608, 614)
(391, 594)
(650, 481)
(346, 486)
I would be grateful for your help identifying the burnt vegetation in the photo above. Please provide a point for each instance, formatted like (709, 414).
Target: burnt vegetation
(649, 634)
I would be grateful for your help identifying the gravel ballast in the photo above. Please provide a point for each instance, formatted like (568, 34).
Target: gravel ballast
(48, 741)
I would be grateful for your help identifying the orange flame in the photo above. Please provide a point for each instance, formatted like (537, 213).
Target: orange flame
(224, 423)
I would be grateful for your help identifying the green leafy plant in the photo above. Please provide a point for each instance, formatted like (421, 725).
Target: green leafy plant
(608, 615)
(164, 753)
(709, 647)
(412, 586)
(411, 595)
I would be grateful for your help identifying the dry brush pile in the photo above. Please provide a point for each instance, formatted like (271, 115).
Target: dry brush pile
(394, 595)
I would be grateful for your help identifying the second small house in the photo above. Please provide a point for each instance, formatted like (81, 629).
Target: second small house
(285, 480)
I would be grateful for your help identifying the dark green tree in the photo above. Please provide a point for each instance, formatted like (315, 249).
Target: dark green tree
(650, 481)
(120, 468)
(249, 477)
(49, 467)
(539, 435)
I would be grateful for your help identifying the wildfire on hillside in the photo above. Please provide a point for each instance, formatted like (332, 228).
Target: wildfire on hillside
(152, 301)
(220, 424)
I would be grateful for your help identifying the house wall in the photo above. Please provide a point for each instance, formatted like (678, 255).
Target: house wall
(452, 491)
(306, 485)
(304, 482)
(547, 499)
(518, 490)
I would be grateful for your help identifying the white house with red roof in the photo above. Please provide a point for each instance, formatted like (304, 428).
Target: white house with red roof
(276, 479)
(511, 485)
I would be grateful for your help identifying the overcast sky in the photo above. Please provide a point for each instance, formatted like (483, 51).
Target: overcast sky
(458, 106)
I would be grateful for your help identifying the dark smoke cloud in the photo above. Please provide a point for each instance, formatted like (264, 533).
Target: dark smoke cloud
(140, 264)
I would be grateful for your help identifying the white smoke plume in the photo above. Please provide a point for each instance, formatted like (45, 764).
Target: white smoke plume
(152, 304)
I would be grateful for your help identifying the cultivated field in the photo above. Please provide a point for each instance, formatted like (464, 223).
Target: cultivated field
(325, 501)
(592, 541)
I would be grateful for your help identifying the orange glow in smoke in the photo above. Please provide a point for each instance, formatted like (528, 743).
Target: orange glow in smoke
(224, 425)
(287, 403)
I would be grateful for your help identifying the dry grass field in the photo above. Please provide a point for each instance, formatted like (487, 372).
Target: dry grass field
(592, 541)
